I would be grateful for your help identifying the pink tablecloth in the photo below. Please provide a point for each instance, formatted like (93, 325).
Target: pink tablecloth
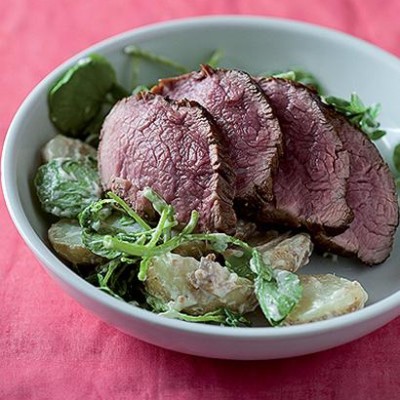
(51, 348)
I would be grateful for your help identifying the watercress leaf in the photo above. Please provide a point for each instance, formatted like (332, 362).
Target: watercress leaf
(117, 279)
(91, 132)
(357, 106)
(276, 291)
(358, 114)
(108, 270)
(77, 97)
(100, 220)
(221, 316)
(215, 58)
(308, 79)
(117, 92)
(213, 316)
(239, 262)
(219, 243)
(337, 102)
(158, 203)
(123, 225)
(95, 213)
(156, 305)
(277, 296)
(139, 89)
(144, 266)
(95, 243)
(258, 266)
(234, 319)
(147, 55)
(302, 76)
(396, 157)
(191, 225)
(374, 111)
(289, 75)
(66, 186)
(375, 135)
(128, 210)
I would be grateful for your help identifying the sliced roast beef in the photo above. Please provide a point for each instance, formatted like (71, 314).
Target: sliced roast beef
(241, 111)
(310, 184)
(174, 148)
(372, 196)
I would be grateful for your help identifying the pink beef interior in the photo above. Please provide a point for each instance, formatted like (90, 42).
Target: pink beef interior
(241, 111)
(175, 149)
(310, 184)
(372, 196)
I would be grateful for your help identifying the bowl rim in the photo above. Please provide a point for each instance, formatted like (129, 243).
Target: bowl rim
(66, 275)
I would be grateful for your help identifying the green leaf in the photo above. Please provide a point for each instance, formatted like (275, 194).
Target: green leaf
(139, 53)
(289, 75)
(117, 201)
(95, 242)
(308, 79)
(239, 263)
(117, 92)
(396, 157)
(91, 132)
(158, 203)
(300, 75)
(277, 291)
(77, 97)
(277, 296)
(375, 135)
(106, 219)
(358, 114)
(215, 58)
(221, 316)
(139, 89)
(109, 269)
(234, 319)
(116, 278)
(66, 186)
(161, 207)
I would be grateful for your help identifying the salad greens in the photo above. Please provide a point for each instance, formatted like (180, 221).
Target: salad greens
(358, 114)
(277, 290)
(277, 293)
(396, 157)
(396, 161)
(222, 316)
(117, 279)
(139, 53)
(215, 58)
(121, 241)
(77, 100)
(66, 186)
(78, 96)
(302, 76)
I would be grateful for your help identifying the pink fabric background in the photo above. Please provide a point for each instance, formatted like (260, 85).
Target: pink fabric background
(51, 348)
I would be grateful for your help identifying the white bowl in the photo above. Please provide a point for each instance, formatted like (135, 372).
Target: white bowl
(344, 64)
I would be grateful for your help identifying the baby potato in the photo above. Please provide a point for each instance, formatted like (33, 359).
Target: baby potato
(282, 252)
(326, 296)
(197, 287)
(65, 237)
(61, 146)
(287, 252)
